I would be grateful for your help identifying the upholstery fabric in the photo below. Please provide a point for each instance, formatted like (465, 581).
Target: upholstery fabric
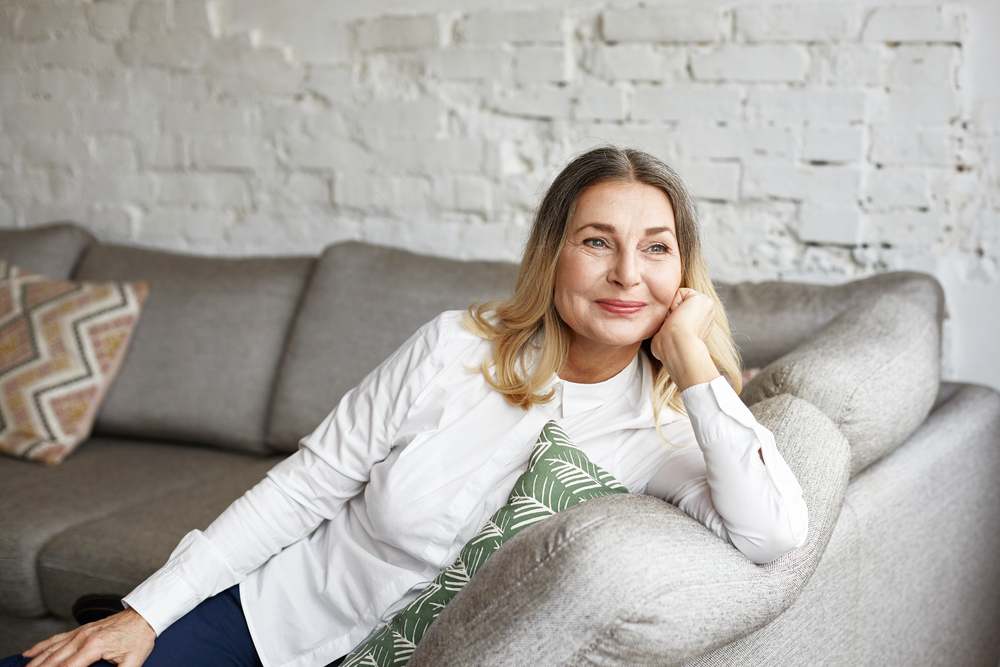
(677, 590)
(352, 322)
(101, 478)
(203, 362)
(889, 590)
(52, 250)
(61, 345)
(874, 370)
(558, 476)
(770, 319)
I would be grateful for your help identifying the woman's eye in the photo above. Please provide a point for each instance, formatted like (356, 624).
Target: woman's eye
(659, 248)
(596, 243)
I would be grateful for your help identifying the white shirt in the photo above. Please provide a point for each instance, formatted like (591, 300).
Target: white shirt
(413, 461)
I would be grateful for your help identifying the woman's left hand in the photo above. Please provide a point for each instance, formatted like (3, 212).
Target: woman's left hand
(680, 342)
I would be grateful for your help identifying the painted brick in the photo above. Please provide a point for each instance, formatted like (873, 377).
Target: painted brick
(6, 155)
(114, 152)
(395, 117)
(430, 156)
(681, 24)
(150, 16)
(468, 64)
(911, 228)
(83, 52)
(13, 88)
(147, 86)
(600, 103)
(58, 84)
(836, 186)
(176, 50)
(209, 119)
(706, 103)
(309, 189)
(398, 33)
(713, 180)
(204, 189)
(44, 149)
(359, 190)
(798, 23)
(334, 83)
(245, 153)
(813, 106)
(766, 63)
(830, 223)
(109, 20)
(32, 117)
(322, 42)
(892, 145)
(739, 142)
(410, 193)
(189, 224)
(43, 20)
(39, 213)
(915, 24)
(921, 106)
(161, 153)
(639, 62)
(534, 102)
(848, 64)
(106, 117)
(824, 144)
(328, 153)
(497, 27)
(191, 16)
(472, 193)
(896, 188)
(923, 65)
(539, 64)
(102, 185)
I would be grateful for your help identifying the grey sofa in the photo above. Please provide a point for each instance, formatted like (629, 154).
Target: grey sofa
(235, 359)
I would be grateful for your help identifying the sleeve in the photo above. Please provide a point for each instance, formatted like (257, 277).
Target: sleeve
(331, 466)
(723, 483)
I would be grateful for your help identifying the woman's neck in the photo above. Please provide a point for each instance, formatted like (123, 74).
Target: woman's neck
(588, 364)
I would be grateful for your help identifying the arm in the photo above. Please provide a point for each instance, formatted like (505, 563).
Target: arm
(735, 481)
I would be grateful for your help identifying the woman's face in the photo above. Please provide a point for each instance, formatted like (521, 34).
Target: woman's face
(620, 267)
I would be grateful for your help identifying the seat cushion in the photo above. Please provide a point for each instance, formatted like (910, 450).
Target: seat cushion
(116, 552)
(51, 250)
(361, 304)
(102, 477)
(203, 360)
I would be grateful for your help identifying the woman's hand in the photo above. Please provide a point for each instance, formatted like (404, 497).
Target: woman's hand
(680, 342)
(124, 639)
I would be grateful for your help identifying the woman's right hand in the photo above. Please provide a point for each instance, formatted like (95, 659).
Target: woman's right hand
(124, 639)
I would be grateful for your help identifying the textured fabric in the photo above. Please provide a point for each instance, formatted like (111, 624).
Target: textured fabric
(559, 476)
(771, 319)
(874, 370)
(103, 477)
(388, 489)
(52, 250)
(202, 366)
(362, 303)
(642, 582)
(61, 344)
(910, 576)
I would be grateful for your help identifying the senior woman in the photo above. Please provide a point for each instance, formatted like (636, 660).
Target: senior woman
(614, 331)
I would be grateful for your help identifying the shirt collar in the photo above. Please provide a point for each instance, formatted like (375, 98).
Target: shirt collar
(577, 398)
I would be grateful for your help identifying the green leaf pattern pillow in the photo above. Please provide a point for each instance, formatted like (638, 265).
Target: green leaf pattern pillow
(559, 475)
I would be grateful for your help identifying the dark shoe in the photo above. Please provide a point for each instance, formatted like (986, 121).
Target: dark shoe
(95, 606)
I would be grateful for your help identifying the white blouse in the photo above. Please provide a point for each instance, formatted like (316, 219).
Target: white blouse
(385, 492)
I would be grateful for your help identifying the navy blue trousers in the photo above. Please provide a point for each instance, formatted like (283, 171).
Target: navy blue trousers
(213, 634)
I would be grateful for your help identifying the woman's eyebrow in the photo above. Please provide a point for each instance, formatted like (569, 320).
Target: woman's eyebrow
(653, 231)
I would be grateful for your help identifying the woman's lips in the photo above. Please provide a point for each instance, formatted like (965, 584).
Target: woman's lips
(619, 307)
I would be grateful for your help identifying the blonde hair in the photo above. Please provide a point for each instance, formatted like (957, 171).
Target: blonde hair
(530, 340)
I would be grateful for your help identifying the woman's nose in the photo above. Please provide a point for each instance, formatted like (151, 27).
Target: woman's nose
(624, 269)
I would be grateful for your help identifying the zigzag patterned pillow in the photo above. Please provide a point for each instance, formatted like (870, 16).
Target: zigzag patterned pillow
(61, 344)
(559, 475)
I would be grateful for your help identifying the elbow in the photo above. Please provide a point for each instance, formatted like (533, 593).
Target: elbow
(771, 544)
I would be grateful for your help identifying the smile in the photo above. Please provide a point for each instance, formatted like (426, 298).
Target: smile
(619, 307)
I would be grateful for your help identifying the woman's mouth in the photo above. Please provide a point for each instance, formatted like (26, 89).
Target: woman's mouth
(619, 307)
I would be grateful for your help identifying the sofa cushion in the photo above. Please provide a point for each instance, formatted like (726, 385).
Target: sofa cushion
(361, 304)
(631, 580)
(559, 475)
(772, 318)
(61, 344)
(102, 477)
(874, 370)
(204, 358)
(52, 250)
(115, 552)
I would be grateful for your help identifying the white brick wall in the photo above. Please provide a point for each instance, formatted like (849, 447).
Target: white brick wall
(825, 140)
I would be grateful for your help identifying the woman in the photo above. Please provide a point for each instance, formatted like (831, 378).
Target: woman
(614, 329)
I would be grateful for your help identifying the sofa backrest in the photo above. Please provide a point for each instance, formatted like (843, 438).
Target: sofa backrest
(202, 362)
(50, 250)
(361, 304)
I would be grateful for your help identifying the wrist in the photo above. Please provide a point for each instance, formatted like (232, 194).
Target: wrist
(686, 359)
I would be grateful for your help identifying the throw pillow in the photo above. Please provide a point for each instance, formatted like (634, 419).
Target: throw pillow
(61, 344)
(559, 475)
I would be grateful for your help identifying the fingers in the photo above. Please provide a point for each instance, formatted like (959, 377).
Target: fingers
(41, 646)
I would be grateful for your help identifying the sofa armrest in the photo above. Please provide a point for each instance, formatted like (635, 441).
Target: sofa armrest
(631, 580)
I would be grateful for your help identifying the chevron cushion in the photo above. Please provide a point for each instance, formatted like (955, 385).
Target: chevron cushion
(559, 475)
(61, 344)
